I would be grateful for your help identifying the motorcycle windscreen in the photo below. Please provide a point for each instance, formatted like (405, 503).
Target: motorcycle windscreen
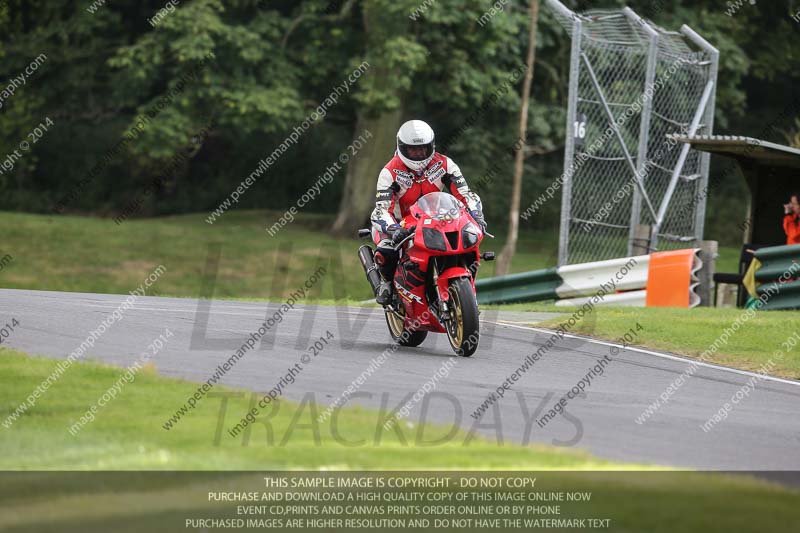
(439, 205)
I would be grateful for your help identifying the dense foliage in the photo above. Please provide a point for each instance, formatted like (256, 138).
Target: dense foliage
(201, 93)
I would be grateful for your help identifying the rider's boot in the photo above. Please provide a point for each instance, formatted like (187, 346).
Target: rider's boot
(384, 295)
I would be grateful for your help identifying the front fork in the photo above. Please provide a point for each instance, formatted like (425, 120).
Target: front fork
(444, 297)
(442, 283)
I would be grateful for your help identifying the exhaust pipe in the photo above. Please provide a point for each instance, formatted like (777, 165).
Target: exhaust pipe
(367, 257)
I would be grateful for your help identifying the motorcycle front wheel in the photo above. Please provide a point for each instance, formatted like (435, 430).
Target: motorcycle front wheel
(463, 328)
(396, 320)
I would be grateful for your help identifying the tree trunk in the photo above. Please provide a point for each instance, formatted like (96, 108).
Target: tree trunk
(358, 197)
(507, 254)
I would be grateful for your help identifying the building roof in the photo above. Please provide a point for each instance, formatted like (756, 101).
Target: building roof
(744, 148)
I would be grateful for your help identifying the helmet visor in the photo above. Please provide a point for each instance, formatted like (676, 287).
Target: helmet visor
(416, 152)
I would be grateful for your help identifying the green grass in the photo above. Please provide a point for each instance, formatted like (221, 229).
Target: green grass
(68, 253)
(83, 254)
(691, 332)
(128, 432)
(127, 435)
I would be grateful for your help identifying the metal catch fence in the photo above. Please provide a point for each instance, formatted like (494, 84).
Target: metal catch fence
(628, 187)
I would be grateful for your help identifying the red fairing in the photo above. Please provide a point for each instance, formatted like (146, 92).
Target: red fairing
(410, 285)
(412, 271)
(444, 280)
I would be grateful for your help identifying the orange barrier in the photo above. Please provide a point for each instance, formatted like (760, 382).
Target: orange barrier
(669, 279)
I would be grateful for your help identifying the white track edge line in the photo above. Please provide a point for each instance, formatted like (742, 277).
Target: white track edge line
(660, 354)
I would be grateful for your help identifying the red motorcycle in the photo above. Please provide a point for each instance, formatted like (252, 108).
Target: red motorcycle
(435, 278)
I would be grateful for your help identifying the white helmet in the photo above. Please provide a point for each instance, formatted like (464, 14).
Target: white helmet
(415, 133)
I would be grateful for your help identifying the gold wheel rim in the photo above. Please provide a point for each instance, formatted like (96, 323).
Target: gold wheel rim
(455, 330)
(396, 322)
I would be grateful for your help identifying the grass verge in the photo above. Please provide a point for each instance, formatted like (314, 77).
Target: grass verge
(752, 346)
(83, 254)
(127, 435)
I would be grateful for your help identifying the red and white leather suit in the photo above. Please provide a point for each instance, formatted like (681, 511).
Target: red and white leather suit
(399, 188)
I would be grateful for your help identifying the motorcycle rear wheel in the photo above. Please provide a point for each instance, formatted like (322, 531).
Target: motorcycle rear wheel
(396, 321)
(463, 328)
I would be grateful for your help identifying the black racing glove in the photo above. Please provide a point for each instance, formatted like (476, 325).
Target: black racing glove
(478, 216)
(401, 234)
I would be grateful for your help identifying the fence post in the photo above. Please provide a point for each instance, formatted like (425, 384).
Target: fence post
(644, 122)
(569, 148)
(708, 125)
(640, 243)
(708, 255)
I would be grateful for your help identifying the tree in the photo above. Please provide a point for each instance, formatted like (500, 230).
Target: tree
(393, 59)
(434, 61)
(506, 255)
(447, 62)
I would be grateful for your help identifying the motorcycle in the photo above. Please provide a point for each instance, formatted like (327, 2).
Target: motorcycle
(434, 283)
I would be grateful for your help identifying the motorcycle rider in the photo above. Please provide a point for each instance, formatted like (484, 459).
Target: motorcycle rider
(415, 170)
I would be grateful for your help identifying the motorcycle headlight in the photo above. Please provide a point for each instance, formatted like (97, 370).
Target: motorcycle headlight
(469, 235)
(434, 239)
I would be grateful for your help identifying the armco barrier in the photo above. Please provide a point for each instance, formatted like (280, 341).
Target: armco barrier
(523, 287)
(575, 284)
(779, 262)
(628, 299)
(585, 278)
(776, 260)
(780, 296)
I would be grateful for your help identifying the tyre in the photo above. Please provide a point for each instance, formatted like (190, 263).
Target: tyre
(463, 328)
(396, 321)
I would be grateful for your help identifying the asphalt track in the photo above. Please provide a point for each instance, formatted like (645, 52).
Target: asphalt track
(762, 432)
